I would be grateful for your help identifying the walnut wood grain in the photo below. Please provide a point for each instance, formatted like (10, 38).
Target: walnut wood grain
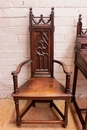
(42, 88)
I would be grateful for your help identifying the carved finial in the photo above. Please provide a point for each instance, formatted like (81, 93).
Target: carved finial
(41, 16)
(52, 8)
(79, 26)
(79, 21)
(30, 9)
(80, 17)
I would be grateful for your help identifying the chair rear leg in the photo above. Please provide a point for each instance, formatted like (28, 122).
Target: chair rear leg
(18, 119)
(33, 103)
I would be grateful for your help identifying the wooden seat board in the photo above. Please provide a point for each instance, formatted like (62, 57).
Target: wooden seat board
(42, 87)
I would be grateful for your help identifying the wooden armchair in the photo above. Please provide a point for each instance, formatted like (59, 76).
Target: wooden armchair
(42, 86)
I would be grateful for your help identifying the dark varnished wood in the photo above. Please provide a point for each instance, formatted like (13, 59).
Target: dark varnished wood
(80, 64)
(16, 72)
(65, 69)
(42, 86)
(41, 42)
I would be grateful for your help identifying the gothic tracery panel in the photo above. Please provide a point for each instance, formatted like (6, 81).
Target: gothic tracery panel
(42, 50)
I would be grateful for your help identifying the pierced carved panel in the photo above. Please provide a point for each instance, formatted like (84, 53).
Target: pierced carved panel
(41, 20)
(42, 50)
(84, 32)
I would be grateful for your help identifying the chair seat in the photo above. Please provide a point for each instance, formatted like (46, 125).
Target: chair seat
(41, 88)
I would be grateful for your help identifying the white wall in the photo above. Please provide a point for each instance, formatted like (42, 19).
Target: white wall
(14, 38)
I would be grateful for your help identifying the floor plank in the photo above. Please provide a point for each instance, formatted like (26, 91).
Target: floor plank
(7, 116)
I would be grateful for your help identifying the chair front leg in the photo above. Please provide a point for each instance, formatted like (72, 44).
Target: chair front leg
(18, 119)
(66, 113)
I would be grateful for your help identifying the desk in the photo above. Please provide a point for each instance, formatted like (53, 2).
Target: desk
(80, 64)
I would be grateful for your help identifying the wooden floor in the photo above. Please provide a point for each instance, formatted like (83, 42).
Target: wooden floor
(41, 111)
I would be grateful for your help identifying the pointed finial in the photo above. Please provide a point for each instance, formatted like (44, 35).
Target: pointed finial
(41, 16)
(31, 9)
(80, 17)
(79, 26)
(52, 8)
(79, 21)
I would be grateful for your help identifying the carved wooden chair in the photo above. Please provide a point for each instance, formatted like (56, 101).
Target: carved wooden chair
(42, 86)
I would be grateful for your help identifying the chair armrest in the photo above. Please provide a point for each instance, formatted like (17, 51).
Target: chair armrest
(18, 69)
(15, 75)
(66, 71)
(68, 75)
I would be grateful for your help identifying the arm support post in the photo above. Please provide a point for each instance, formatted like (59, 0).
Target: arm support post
(15, 81)
(68, 75)
(67, 89)
(15, 74)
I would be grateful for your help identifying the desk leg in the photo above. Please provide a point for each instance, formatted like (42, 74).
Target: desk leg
(83, 122)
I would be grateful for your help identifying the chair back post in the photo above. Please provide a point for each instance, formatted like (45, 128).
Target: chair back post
(30, 17)
(52, 39)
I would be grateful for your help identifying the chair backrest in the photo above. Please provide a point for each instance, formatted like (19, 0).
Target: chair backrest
(41, 44)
